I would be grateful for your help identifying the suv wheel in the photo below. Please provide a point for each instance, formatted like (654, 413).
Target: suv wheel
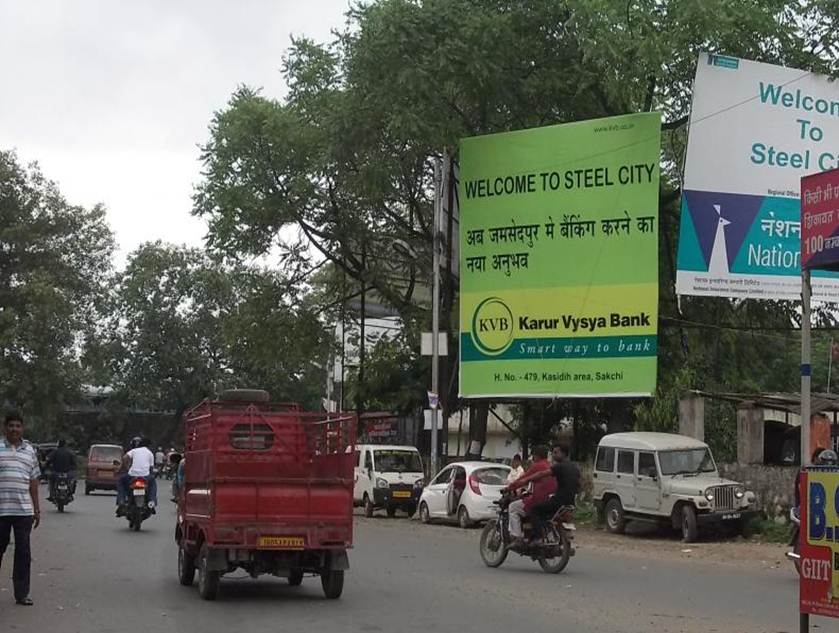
(690, 530)
(615, 518)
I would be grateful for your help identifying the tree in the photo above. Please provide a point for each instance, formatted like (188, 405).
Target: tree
(55, 259)
(185, 327)
(167, 341)
(347, 157)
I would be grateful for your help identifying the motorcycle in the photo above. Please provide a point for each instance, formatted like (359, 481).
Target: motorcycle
(62, 491)
(552, 553)
(795, 554)
(138, 507)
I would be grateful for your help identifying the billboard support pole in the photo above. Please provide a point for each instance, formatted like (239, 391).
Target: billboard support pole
(806, 367)
(435, 308)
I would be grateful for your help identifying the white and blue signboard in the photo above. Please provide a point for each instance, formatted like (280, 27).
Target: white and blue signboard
(755, 131)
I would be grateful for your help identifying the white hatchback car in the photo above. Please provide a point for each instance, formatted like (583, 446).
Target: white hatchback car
(464, 492)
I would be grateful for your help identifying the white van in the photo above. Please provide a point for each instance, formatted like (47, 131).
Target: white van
(389, 477)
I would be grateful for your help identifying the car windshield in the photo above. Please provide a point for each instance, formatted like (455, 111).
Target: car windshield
(491, 476)
(389, 461)
(105, 453)
(687, 461)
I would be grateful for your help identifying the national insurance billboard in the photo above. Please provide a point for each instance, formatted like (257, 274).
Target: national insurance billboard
(755, 131)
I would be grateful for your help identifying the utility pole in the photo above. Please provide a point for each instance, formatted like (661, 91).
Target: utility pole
(435, 310)
(806, 367)
(361, 347)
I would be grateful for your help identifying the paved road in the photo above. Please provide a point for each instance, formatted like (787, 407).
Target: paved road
(93, 574)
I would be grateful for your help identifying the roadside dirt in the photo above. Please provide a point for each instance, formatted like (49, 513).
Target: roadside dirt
(643, 544)
(640, 542)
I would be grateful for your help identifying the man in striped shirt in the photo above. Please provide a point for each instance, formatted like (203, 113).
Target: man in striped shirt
(19, 504)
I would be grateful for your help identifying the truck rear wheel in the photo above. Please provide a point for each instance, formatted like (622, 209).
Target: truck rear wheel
(186, 567)
(208, 580)
(332, 581)
(295, 577)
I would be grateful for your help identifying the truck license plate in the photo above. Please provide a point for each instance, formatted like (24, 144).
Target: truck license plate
(285, 542)
(733, 515)
(401, 494)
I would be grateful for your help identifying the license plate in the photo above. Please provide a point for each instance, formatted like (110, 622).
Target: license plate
(139, 492)
(733, 515)
(62, 487)
(401, 494)
(285, 542)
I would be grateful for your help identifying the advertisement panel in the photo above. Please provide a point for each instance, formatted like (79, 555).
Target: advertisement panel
(755, 131)
(819, 580)
(820, 220)
(559, 260)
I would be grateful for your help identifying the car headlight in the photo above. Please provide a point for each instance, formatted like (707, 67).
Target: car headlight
(709, 495)
(419, 483)
(739, 493)
(382, 483)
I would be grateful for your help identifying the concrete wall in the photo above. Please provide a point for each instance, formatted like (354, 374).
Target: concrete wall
(750, 435)
(692, 417)
(773, 486)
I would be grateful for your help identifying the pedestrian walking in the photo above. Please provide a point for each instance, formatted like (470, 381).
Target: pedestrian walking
(20, 510)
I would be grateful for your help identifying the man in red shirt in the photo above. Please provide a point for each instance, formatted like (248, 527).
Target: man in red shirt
(543, 487)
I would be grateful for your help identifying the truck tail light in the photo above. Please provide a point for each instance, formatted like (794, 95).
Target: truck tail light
(474, 485)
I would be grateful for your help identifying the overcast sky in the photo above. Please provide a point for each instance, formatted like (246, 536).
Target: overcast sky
(112, 97)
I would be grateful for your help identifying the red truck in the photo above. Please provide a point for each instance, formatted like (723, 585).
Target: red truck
(267, 488)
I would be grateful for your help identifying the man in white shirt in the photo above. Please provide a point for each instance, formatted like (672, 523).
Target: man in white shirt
(517, 471)
(159, 457)
(140, 463)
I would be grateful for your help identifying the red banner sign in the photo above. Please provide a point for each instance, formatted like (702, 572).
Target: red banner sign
(819, 588)
(820, 220)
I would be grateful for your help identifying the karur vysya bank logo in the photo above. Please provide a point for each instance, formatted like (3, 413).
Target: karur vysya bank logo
(492, 326)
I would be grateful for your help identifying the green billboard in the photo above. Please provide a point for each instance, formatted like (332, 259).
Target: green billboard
(559, 260)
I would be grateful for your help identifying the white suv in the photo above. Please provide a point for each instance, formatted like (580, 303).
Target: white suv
(665, 478)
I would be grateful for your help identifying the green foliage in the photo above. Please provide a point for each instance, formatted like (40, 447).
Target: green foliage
(395, 377)
(186, 327)
(346, 159)
(54, 262)
(661, 413)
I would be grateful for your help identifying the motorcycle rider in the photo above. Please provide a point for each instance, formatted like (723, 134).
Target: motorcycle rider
(567, 477)
(139, 462)
(159, 460)
(62, 461)
(543, 487)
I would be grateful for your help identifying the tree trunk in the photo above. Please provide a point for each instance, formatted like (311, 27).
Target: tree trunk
(478, 415)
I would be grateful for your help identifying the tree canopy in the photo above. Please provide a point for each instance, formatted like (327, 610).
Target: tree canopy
(54, 265)
(346, 158)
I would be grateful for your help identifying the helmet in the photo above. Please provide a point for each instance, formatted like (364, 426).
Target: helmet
(827, 458)
(136, 441)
